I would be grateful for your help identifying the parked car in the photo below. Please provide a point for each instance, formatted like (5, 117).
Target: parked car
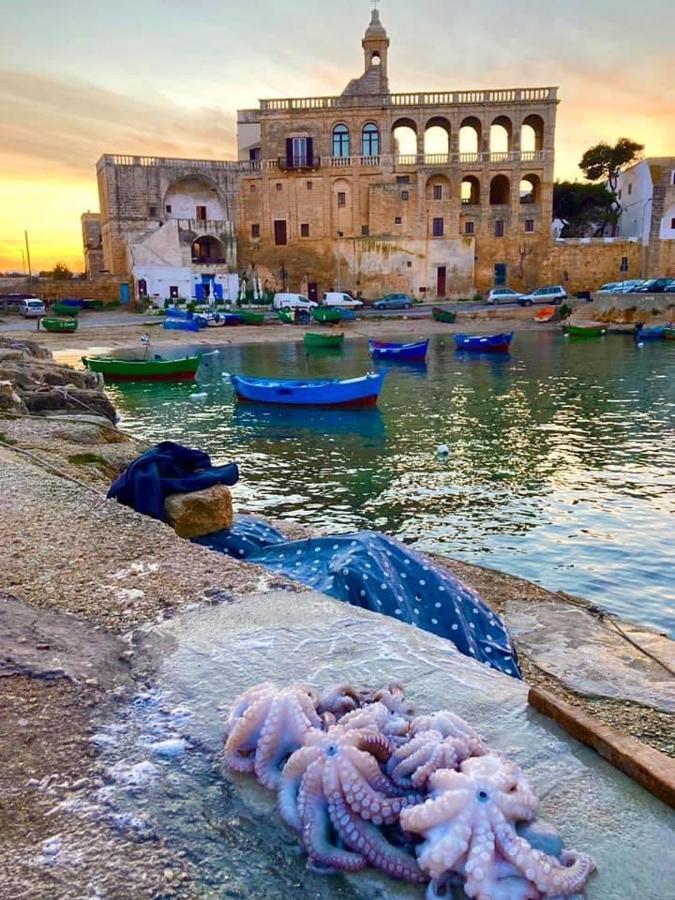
(394, 301)
(553, 293)
(32, 308)
(655, 286)
(503, 295)
(342, 300)
(292, 301)
(619, 287)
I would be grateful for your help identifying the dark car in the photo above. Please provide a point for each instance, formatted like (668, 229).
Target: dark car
(394, 301)
(655, 286)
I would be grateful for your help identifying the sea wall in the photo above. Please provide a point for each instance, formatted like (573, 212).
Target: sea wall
(657, 309)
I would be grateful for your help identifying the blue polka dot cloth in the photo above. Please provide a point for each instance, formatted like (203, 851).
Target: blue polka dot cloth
(376, 572)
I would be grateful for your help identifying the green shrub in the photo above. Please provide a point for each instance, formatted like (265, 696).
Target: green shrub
(565, 311)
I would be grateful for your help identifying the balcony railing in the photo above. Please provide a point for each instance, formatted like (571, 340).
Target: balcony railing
(437, 98)
(298, 163)
(403, 160)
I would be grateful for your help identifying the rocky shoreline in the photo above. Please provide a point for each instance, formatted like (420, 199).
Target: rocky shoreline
(83, 573)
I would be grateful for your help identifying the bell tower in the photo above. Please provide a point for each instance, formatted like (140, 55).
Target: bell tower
(375, 44)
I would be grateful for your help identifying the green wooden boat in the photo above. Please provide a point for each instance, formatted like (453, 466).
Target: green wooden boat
(52, 323)
(63, 309)
(669, 333)
(155, 369)
(585, 331)
(326, 315)
(285, 316)
(251, 318)
(443, 315)
(312, 339)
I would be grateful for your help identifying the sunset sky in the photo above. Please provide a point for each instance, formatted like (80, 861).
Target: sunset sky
(79, 78)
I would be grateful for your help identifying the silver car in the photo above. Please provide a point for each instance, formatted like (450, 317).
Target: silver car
(503, 295)
(32, 308)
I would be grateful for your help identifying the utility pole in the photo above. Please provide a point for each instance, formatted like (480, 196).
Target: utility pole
(30, 274)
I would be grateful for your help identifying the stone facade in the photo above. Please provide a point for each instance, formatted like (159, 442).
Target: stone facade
(139, 195)
(583, 264)
(92, 244)
(329, 179)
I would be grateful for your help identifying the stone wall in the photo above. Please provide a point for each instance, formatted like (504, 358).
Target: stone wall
(585, 264)
(103, 288)
(650, 309)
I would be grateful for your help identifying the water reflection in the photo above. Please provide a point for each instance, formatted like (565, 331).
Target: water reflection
(560, 468)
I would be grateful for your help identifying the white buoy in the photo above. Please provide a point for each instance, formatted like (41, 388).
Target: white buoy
(197, 397)
(640, 345)
(442, 450)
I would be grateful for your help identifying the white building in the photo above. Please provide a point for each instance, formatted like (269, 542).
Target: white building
(646, 193)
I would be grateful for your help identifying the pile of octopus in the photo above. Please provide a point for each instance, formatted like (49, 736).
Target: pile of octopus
(364, 781)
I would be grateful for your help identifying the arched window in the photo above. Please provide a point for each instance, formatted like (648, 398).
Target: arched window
(370, 140)
(341, 141)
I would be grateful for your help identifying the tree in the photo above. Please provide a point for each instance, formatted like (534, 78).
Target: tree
(586, 209)
(604, 162)
(61, 272)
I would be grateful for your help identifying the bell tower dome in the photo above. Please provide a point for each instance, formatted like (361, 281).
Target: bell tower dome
(375, 44)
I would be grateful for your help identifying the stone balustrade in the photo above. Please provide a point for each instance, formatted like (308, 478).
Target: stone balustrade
(415, 100)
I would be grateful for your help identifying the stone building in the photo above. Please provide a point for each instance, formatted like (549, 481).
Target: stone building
(434, 193)
(646, 192)
(92, 244)
(171, 223)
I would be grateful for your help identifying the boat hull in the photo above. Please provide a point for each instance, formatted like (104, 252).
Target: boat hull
(494, 343)
(144, 370)
(58, 326)
(326, 315)
(443, 315)
(353, 393)
(323, 341)
(251, 318)
(404, 352)
(581, 331)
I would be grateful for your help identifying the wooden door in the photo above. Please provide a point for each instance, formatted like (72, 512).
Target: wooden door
(313, 291)
(440, 281)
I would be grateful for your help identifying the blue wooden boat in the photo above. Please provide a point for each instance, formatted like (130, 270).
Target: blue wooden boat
(408, 352)
(484, 343)
(651, 333)
(174, 324)
(351, 392)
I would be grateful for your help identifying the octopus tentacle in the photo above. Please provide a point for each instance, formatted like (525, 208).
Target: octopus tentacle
(369, 841)
(284, 730)
(242, 741)
(289, 784)
(447, 848)
(316, 831)
(479, 865)
(376, 745)
(363, 799)
(567, 876)
(434, 811)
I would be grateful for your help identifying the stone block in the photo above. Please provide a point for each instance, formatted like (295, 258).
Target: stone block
(201, 512)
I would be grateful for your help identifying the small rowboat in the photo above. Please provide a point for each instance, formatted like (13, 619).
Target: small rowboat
(286, 316)
(655, 333)
(344, 392)
(251, 318)
(546, 314)
(175, 324)
(65, 309)
(669, 333)
(156, 369)
(408, 352)
(326, 315)
(50, 323)
(488, 343)
(312, 339)
(443, 315)
(585, 331)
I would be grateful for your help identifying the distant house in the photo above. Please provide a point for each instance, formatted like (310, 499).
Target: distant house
(646, 193)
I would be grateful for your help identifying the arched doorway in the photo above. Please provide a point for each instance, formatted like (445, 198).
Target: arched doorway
(208, 250)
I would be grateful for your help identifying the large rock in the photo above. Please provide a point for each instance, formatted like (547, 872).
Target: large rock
(10, 400)
(201, 512)
(66, 398)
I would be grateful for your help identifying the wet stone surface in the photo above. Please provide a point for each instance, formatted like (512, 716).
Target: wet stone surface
(161, 756)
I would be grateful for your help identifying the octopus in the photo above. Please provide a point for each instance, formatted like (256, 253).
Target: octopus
(266, 725)
(334, 794)
(439, 741)
(468, 825)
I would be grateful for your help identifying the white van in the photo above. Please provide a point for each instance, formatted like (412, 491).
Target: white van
(292, 301)
(340, 299)
(32, 308)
